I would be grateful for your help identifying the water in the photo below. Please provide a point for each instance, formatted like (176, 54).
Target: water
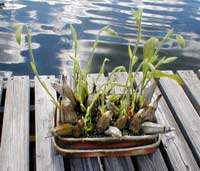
(52, 43)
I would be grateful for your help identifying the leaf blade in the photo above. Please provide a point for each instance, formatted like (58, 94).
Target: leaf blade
(149, 47)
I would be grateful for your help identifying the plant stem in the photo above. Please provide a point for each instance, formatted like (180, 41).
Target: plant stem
(35, 69)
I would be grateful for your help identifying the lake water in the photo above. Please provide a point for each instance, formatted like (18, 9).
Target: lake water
(52, 42)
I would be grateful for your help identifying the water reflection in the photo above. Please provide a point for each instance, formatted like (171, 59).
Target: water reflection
(49, 23)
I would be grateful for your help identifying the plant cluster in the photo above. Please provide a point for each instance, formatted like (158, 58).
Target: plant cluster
(84, 113)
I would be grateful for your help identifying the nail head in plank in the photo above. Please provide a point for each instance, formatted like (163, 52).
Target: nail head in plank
(184, 113)
(46, 156)
(15, 133)
(191, 87)
(145, 161)
(179, 155)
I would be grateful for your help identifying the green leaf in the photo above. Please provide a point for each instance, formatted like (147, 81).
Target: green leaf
(103, 66)
(135, 14)
(180, 40)
(145, 67)
(19, 33)
(74, 35)
(169, 60)
(130, 54)
(102, 69)
(134, 60)
(114, 97)
(160, 62)
(159, 74)
(110, 31)
(153, 58)
(151, 66)
(118, 69)
(168, 35)
(140, 11)
(149, 47)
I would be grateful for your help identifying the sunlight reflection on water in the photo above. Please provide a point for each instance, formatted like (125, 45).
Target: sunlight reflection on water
(49, 23)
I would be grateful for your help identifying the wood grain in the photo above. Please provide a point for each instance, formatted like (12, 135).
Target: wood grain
(151, 162)
(46, 157)
(1, 87)
(178, 154)
(191, 87)
(120, 163)
(15, 133)
(85, 164)
(184, 113)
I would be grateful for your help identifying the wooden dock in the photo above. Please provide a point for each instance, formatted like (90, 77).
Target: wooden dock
(27, 112)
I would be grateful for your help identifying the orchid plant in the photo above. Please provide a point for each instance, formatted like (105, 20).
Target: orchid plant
(85, 113)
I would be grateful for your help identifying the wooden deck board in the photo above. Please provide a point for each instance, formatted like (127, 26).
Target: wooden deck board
(1, 87)
(184, 113)
(15, 133)
(178, 153)
(151, 162)
(192, 87)
(46, 157)
(180, 149)
(120, 163)
(85, 164)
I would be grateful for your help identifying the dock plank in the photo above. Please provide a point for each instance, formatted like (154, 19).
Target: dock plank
(191, 87)
(85, 164)
(184, 113)
(178, 154)
(15, 133)
(1, 87)
(46, 157)
(150, 161)
(120, 163)
(1, 116)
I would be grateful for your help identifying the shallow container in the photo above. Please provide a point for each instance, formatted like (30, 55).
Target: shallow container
(105, 146)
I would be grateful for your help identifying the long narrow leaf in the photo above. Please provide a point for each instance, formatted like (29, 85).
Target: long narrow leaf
(74, 35)
(149, 47)
(19, 33)
(159, 74)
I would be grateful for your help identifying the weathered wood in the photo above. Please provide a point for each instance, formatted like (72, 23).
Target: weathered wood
(191, 87)
(1, 87)
(118, 163)
(1, 111)
(84, 164)
(46, 157)
(151, 161)
(15, 133)
(178, 154)
(184, 113)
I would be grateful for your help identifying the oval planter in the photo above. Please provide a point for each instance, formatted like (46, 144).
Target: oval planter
(105, 146)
